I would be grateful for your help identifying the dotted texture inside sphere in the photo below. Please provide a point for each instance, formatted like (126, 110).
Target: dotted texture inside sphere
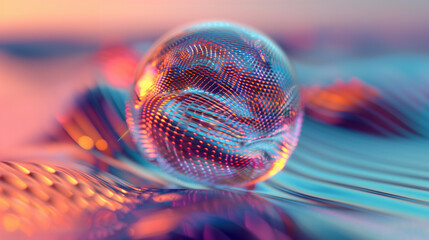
(217, 103)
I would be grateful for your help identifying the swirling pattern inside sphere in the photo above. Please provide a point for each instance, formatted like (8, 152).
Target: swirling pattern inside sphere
(217, 103)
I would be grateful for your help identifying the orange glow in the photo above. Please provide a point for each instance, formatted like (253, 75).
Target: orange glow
(82, 202)
(155, 224)
(42, 178)
(278, 165)
(49, 169)
(21, 168)
(167, 197)
(84, 123)
(51, 197)
(146, 81)
(81, 129)
(4, 205)
(275, 168)
(71, 179)
(85, 142)
(340, 96)
(40, 194)
(87, 190)
(337, 98)
(10, 222)
(101, 144)
(14, 181)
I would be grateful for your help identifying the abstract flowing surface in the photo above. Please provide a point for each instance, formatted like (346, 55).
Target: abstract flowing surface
(359, 170)
(74, 200)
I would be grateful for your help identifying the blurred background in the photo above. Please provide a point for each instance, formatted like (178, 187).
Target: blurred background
(49, 49)
(360, 168)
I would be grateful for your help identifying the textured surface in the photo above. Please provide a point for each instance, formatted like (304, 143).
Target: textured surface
(218, 103)
(47, 198)
(358, 172)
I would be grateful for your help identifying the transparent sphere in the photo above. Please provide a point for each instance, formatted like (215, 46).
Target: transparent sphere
(217, 103)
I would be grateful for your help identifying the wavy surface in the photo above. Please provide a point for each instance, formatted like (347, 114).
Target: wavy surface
(48, 197)
(359, 170)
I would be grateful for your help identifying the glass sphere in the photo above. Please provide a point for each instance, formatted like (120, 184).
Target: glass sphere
(217, 103)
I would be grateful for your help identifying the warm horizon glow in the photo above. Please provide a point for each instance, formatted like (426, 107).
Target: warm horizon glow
(110, 20)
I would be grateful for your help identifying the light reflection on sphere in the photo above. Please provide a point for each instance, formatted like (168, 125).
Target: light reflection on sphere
(217, 103)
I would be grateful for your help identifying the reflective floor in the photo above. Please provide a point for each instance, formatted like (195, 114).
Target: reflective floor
(359, 170)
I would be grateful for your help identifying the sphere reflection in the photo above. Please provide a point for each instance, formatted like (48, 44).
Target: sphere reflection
(218, 103)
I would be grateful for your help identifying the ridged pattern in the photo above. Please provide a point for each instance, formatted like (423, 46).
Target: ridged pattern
(217, 103)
